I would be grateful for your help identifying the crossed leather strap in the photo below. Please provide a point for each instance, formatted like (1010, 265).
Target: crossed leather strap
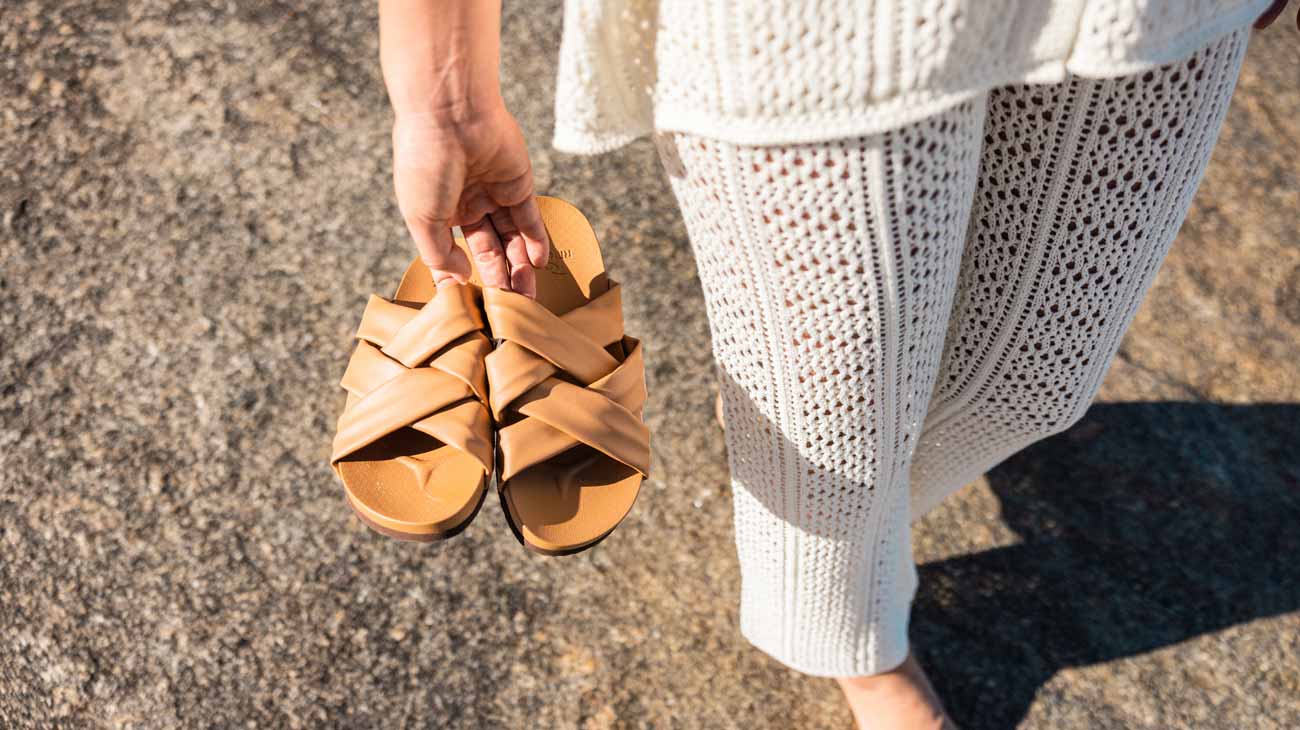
(555, 371)
(422, 369)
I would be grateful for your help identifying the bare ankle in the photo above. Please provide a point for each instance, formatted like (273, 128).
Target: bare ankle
(900, 699)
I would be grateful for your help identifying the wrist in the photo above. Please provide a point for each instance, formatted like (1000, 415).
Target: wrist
(448, 112)
(440, 59)
(450, 117)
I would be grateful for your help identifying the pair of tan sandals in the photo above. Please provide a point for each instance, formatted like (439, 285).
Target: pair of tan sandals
(450, 385)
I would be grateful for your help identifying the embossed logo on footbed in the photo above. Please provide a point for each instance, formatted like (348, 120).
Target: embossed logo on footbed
(553, 264)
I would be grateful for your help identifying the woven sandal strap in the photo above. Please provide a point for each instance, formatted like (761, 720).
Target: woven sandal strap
(600, 319)
(397, 403)
(580, 353)
(368, 369)
(513, 369)
(382, 319)
(560, 415)
(463, 359)
(465, 426)
(412, 336)
(389, 390)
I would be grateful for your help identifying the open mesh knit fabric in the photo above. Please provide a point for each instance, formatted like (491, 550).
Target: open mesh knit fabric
(894, 314)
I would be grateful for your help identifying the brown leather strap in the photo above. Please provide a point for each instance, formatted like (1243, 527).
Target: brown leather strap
(465, 426)
(439, 322)
(397, 403)
(382, 319)
(463, 360)
(420, 368)
(513, 368)
(512, 371)
(410, 336)
(368, 369)
(531, 374)
(605, 415)
(518, 319)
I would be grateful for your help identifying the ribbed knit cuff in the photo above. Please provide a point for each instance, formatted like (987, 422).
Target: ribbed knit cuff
(798, 619)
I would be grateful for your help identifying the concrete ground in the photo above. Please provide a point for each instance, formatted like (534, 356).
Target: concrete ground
(194, 204)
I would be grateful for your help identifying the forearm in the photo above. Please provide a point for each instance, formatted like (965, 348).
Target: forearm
(441, 57)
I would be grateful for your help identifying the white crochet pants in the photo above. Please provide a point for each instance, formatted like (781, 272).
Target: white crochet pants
(892, 315)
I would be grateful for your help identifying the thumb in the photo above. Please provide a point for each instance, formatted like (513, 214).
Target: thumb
(439, 252)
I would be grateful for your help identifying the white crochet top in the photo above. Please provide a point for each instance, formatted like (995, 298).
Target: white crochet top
(793, 71)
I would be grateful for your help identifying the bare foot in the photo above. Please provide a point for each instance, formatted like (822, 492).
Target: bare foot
(901, 699)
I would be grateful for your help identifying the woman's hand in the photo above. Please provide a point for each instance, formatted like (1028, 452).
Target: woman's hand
(1271, 14)
(475, 174)
(459, 158)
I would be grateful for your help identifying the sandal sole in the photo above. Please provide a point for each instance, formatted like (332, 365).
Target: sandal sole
(421, 537)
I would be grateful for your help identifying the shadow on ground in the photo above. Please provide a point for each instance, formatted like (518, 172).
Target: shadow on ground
(1145, 525)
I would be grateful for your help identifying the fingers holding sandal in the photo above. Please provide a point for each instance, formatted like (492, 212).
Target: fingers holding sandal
(507, 241)
(523, 278)
(489, 256)
(526, 221)
(427, 178)
(511, 189)
(439, 252)
(518, 223)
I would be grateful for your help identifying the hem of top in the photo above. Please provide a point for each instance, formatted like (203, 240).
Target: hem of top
(898, 111)
(575, 142)
(1179, 48)
(821, 127)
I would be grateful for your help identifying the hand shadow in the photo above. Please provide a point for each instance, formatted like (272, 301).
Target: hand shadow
(1144, 525)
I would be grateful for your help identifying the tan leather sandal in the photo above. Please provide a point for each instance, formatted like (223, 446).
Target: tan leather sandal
(414, 443)
(566, 390)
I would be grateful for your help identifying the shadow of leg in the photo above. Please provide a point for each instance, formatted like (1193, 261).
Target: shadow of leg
(1145, 525)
